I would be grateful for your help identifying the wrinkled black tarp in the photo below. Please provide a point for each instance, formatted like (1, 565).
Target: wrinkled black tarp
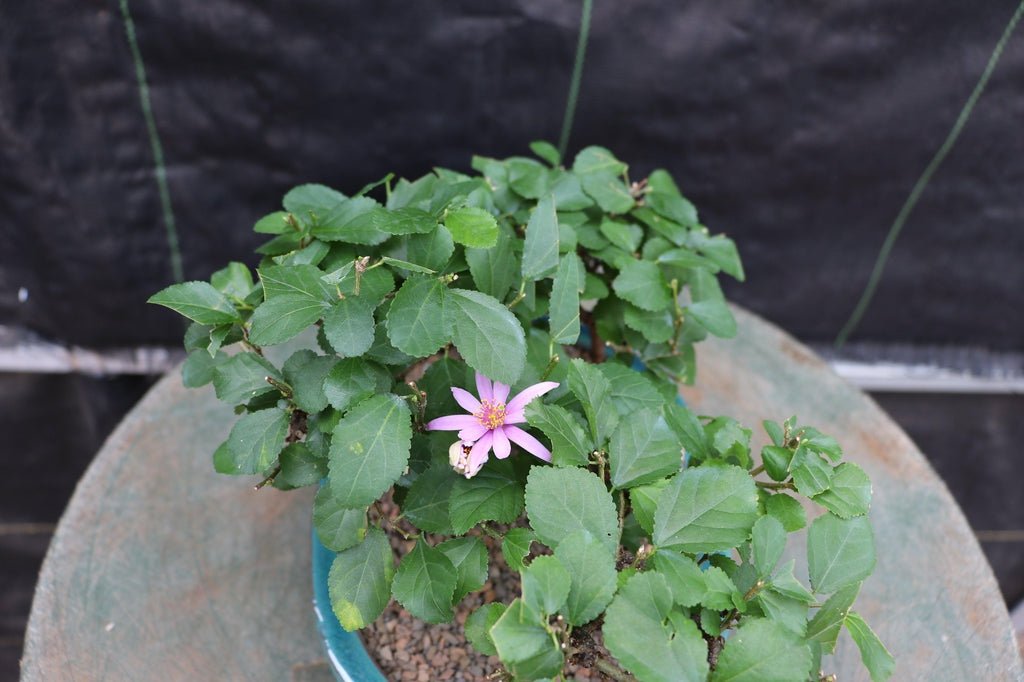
(797, 127)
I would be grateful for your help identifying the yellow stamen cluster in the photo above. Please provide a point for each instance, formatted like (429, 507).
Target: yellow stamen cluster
(491, 414)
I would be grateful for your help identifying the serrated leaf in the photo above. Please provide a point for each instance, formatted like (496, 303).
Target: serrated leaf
(829, 619)
(338, 527)
(494, 494)
(469, 557)
(255, 441)
(674, 207)
(472, 227)
(438, 381)
(570, 445)
(349, 326)
(785, 583)
(524, 644)
(272, 223)
(353, 379)
(768, 540)
(657, 326)
(876, 658)
(370, 449)
(787, 510)
(630, 390)
(305, 281)
(406, 265)
(488, 336)
(546, 584)
(305, 372)
(643, 449)
(516, 546)
(636, 633)
(839, 552)
(426, 503)
(644, 502)
(528, 178)
(200, 368)
(432, 250)
(776, 461)
(546, 151)
(592, 577)
(425, 583)
(299, 467)
(568, 194)
(479, 624)
(684, 577)
(722, 251)
(562, 501)
(720, 593)
(282, 318)
(233, 280)
(197, 301)
(354, 221)
(242, 377)
(788, 612)
(609, 191)
(595, 159)
(407, 220)
(311, 197)
(761, 651)
(706, 509)
(641, 283)
(689, 429)
(540, 249)
(564, 309)
(812, 475)
(495, 270)
(416, 319)
(849, 492)
(360, 581)
(594, 392)
(715, 316)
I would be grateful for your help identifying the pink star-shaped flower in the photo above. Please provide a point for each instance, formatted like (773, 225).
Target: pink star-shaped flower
(490, 424)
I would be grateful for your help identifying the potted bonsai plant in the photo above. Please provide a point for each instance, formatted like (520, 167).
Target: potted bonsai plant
(492, 379)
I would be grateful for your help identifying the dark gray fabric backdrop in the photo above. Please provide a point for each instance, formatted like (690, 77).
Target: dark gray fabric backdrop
(798, 127)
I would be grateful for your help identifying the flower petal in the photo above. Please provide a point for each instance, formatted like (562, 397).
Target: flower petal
(478, 455)
(500, 393)
(518, 417)
(471, 434)
(483, 387)
(452, 422)
(529, 393)
(527, 442)
(502, 448)
(465, 399)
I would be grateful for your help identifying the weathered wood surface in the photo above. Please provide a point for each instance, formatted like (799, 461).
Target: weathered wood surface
(161, 569)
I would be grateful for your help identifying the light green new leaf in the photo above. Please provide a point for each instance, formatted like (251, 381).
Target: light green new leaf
(472, 227)
(643, 449)
(469, 557)
(524, 644)
(706, 509)
(546, 151)
(829, 619)
(768, 540)
(592, 577)
(689, 429)
(562, 501)
(763, 651)
(272, 223)
(254, 443)
(641, 283)
(338, 527)
(281, 318)
(546, 584)
(494, 494)
(349, 326)
(425, 583)
(359, 583)
(540, 250)
(876, 658)
(812, 475)
(849, 492)
(644, 502)
(609, 191)
(415, 321)
(564, 309)
(370, 449)
(197, 301)
(311, 198)
(479, 624)
(488, 336)
(839, 552)
(787, 510)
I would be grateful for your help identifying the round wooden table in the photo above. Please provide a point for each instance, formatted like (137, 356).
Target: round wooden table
(161, 569)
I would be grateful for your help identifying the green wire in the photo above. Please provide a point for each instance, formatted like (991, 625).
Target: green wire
(577, 74)
(160, 170)
(922, 182)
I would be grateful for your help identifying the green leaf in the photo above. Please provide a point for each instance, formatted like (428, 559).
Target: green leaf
(630, 390)
(472, 227)
(255, 441)
(338, 527)
(642, 449)
(776, 461)
(788, 612)
(495, 270)
(352, 380)
(768, 540)
(641, 283)
(494, 494)
(849, 492)
(729, 439)
(200, 368)
(787, 510)
(359, 583)
(706, 509)
(415, 320)
(714, 316)
(528, 178)
(689, 429)
(564, 310)
(567, 191)
(598, 160)
(234, 280)
(722, 251)
(524, 644)
(407, 220)
(299, 467)
(354, 221)
(720, 593)
(438, 381)
(785, 583)
(546, 151)
(370, 449)
(594, 392)
(425, 583)
(242, 377)
(546, 584)
(479, 624)
(644, 501)
(432, 250)
(304, 281)
(349, 326)
(273, 223)
(562, 501)
(570, 445)
(488, 336)
(637, 634)
(812, 475)
(516, 546)
(197, 301)
(426, 504)
(876, 658)
(592, 577)
(609, 191)
(312, 197)
(540, 250)
(657, 326)
(839, 552)
(829, 619)
(626, 237)
(676, 208)
(406, 265)
(469, 557)
(684, 577)
(305, 372)
(761, 651)
(281, 318)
